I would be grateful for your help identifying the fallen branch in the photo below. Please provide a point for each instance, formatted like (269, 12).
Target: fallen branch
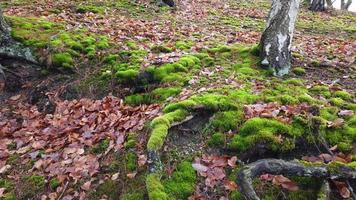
(278, 166)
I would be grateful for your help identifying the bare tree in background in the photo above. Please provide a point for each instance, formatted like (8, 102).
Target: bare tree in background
(345, 5)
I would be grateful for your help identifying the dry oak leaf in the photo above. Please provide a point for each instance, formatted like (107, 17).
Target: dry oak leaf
(86, 186)
(230, 185)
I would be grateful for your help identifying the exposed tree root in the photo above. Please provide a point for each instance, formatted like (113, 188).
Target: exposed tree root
(278, 166)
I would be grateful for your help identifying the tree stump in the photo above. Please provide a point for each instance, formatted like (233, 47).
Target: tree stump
(276, 40)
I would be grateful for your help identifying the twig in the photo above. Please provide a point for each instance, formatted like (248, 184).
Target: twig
(64, 189)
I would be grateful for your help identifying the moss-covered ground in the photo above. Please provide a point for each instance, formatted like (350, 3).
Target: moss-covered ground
(195, 61)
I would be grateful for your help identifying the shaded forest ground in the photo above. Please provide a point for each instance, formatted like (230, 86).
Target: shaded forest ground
(195, 66)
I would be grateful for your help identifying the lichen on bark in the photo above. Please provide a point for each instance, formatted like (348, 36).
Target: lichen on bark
(277, 37)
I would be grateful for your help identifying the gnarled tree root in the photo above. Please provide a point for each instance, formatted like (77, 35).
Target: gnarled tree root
(278, 166)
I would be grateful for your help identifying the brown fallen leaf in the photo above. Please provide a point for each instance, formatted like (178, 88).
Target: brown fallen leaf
(86, 186)
(343, 189)
(142, 159)
(232, 161)
(15, 98)
(2, 191)
(230, 185)
(131, 175)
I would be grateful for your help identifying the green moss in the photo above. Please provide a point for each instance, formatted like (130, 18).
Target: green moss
(131, 161)
(306, 99)
(35, 183)
(109, 189)
(329, 113)
(295, 82)
(127, 75)
(103, 42)
(132, 45)
(165, 93)
(228, 120)
(247, 70)
(62, 60)
(321, 90)
(298, 71)
(288, 100)
(183, 45)
(157, 137)
(180, 105)
(132, 196)
(343, 136)
(89, 8)
(182, 182)
(236, 195)
(220, 49)
(258, 130)
(111, 59)
(160, 126)
(343, 95)
(138, 99)
(155, 188)
(216, 140)
(243, 96)
(337, 102)
(161, 49)
(189, 61)
(131, 141)
(101, 147)
(54, 183)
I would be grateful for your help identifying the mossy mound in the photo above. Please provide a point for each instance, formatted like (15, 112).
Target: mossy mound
(277, 135)
(66, 47)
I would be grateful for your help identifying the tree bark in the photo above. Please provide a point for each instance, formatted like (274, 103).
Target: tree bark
(10, 48)
(166, 3)
(317, 5)
(276, 166)
(345, 5)
(276, 40)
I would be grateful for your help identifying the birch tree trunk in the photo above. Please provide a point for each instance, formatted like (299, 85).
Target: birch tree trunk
(276, 40)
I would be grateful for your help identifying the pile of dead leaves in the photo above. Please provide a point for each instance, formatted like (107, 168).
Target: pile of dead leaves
(212, 169)
(60, 144)
(274, 110)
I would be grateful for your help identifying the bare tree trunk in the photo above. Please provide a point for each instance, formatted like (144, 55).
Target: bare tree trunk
(329, 3)
(345, 5)
(276, 40)
(317, 5)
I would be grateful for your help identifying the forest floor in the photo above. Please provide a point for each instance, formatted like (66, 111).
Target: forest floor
(134, 101)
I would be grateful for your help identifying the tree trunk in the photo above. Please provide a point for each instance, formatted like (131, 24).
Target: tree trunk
(329, 3)
(166, 3)
(345, 5)
(276, 40)
(317, 5)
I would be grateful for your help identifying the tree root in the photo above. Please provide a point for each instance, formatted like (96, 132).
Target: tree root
(278, 166)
